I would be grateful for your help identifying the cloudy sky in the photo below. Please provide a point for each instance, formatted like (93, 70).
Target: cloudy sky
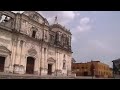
(95, 34)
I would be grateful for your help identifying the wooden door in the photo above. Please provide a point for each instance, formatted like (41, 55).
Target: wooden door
(2, 63)
(30, 65)
(49, 69)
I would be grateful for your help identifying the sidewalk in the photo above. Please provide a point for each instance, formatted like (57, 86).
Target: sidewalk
(29, 76)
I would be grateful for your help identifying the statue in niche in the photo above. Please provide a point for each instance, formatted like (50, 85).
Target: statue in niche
(32, 52)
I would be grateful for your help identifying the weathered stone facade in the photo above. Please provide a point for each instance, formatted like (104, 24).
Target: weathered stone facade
(28, 44)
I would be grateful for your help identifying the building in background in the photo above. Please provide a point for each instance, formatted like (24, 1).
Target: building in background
(116, 68)
(30, 45)
(73, 60)
(94, 67)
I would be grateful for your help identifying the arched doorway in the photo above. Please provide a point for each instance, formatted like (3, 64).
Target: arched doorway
(51, 66)
(4, 57)
(30, 65)
(2, 63)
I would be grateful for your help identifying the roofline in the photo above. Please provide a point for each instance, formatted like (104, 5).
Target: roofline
(116, 60)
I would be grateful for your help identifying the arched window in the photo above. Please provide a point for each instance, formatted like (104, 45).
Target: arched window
(34, 30)
(33, 33)
(57, 36)
(64, 64)
(21, 43)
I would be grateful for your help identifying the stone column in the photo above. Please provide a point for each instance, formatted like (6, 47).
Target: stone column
(12, 62)
(17, 58)
(69, 65)
(42, 62)
(44, 57)
(58, 62)
(17, 53)
(45, 60)
(55, 62)
(36, 65)
(23, 57)
(17, 22)
(21, 52)
(39, 58)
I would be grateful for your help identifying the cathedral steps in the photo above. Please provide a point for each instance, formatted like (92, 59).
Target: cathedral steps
(27, 76)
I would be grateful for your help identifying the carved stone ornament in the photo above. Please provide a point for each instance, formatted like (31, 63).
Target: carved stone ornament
(35, 17)
(51, 60)
(32, 52)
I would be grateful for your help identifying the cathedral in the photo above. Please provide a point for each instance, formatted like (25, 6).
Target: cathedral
(30, 45)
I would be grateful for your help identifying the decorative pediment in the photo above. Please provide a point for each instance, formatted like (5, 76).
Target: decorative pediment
(34, 29)
(4, 49)
(51, 60)
(32, 52)
(36, 16)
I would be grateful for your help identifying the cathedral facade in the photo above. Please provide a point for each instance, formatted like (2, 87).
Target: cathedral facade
(30, 45)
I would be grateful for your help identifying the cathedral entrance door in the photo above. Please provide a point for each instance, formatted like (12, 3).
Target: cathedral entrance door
(30, 65)
(49, 69)
(2, 63)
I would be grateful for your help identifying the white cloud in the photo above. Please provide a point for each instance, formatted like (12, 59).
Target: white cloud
(68, 14)
(83, 28)
(64, 17)
(99, 44)
(84, 21)
(84, 25)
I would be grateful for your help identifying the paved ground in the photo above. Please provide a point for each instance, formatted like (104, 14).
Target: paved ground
(27, 76)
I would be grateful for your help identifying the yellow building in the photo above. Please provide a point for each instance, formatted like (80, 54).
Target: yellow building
(84, 69)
